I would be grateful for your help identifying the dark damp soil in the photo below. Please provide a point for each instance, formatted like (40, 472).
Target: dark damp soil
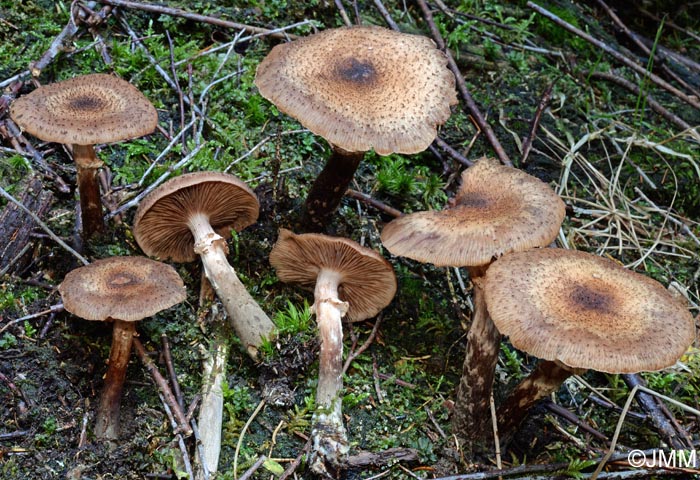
(399, 391)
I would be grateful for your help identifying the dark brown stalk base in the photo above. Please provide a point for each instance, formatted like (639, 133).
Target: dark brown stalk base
(89, 190)
(329, 188)
(472, 413)
(546, 378)
(107, 425)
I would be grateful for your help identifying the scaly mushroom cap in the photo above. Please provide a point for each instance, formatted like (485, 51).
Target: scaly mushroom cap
(497, 210)
(121, 288)
(368, 282)
(161, 225)
(586, 311)
(85, 110)
(362, 87)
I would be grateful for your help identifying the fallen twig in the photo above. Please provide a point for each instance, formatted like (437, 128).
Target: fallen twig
(544, 103)
(253, 468)
(356, 353)
(43, 226)
(381, 206)
(162, 384)
(616, 55)
(178, 435)
(177, 12)
(462, 87)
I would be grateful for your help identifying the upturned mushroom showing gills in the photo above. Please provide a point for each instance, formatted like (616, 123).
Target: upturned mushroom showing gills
(575, 310)
(498, 209)
(192, 215)
(84, 111)
(123, 290)
(360, 88)
(351, 282)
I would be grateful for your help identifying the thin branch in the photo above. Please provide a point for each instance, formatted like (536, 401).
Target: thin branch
(462, 87)
(177, 12)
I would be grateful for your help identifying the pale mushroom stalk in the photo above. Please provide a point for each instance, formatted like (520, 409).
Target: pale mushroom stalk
(87, 165)
(328, 433)
(546, 378)
(472, 404)
(107, 422)
(249, 321)
(329, 187)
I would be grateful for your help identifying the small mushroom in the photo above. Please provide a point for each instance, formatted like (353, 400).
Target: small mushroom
(349, 281)
(188, 216)
(123, 290)
(575, 310)
(360, 88)
(498, 209)
(84, 111)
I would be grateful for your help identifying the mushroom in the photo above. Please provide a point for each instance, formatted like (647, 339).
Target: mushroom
(349, 281)
(498, 209)
(188, 216)
(83, 111)
(360, 88)
(123, 290)
(575, 310)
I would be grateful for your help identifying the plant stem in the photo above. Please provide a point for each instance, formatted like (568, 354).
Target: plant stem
(89, 189)
(250, 323)
(330, 444)
(329, 188)
(472, 409)
(107, 425)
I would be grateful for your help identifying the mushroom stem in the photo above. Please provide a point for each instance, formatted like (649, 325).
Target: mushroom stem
(329, 188)
(251, 324)
(107, 425)
(546, 378)
(330, 444)
(88, 189)
(471, 417)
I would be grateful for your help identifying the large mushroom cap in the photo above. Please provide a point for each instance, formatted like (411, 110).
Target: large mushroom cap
(121, 288)
(586, 311)
(497, 210)
(161, 225)
(362, 87)
(368, 282)
(85, 110)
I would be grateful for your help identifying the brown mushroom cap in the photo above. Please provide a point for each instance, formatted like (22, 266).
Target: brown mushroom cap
(121, 288)
(85, 110)
(497, 210)
(362, 87)
(161, 221)
(586, 311)
(368, 282)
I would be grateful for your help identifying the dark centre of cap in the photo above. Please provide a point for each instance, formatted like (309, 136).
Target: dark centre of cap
(123, 279)
(586, 297)
(356, 71)
(474, 200)
(86, 103)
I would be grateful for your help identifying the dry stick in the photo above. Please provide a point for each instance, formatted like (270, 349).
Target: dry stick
(544, 103)
(452, 152)
(168, 359)
(180, 439)
(387, 16)
(659, 55)
(162, 384)
(462, 87)
(43, 226)
(572, 419)
(616, 55)
(343, 13)
(253, 468)
(242, 435)
(177, 12)
(14, 133)
(363, 197)
(52, 309)
(673, 438)
(353, 355)
(653, 104)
